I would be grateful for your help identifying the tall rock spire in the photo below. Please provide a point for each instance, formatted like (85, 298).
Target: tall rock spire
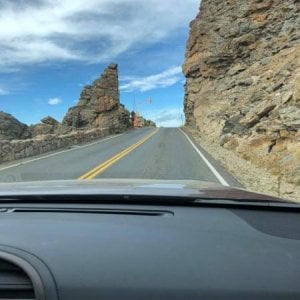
(99, 103)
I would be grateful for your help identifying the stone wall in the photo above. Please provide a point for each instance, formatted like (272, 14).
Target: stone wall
(242, 89)
(17, 149)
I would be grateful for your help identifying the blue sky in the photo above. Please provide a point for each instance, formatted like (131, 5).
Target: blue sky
(50, 49)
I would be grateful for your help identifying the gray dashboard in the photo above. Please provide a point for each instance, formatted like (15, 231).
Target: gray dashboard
(156, 252)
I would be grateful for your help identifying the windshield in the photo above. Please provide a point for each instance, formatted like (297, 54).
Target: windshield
(206, 91)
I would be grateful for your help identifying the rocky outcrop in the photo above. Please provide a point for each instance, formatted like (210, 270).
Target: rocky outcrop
(48, 125)
(149, 123)
(99, 105)
(11, 128)
(50, 121)
(142, 122)
(242, 89)
(97, 113)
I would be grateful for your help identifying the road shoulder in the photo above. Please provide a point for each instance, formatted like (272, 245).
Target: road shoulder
(246, 174)
(230, 179)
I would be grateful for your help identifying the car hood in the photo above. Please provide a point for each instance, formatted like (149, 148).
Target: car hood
(134, 187)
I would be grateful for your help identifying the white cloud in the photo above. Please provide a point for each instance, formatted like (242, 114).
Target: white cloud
(54, 101)
(164, 79)
(3, 91)
(167, 117)
(46, 30)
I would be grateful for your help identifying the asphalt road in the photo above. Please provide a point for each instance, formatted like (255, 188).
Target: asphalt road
(148, 153)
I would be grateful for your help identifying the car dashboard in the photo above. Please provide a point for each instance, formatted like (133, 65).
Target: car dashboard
(127, 251)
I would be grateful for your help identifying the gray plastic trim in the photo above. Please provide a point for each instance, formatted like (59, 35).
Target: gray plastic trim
(29, 270)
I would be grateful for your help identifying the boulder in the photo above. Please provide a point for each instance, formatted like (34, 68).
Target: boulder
(41, 129)
(48, 125)
(49, 121)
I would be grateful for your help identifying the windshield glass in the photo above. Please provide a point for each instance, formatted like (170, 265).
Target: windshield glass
(166, 90)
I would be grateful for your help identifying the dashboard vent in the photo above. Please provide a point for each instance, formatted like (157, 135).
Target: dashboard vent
(14, 282)
(133, 212)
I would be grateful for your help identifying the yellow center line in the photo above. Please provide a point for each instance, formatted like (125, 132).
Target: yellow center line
(106, 164)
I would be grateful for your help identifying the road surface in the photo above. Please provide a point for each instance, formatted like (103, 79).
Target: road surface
(147, 153)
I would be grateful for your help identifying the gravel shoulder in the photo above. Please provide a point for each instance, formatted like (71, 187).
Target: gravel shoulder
(250, 176)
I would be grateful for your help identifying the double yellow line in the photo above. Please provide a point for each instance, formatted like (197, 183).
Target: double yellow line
(105, 165)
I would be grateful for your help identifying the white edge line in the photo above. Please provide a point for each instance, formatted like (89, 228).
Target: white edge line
(211, 167)
(57, 153)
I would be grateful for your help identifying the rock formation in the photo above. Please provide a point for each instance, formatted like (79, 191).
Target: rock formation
(11, 128)
(98, 108)
(99, 105)
(97, 114)
(242, 89)
(149, 123)
(48, 125)
(50, 121)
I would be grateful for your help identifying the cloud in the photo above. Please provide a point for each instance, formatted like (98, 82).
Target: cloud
(164, 79)
(89, 31)
(54, 101)
(167, 117)
(3, 91)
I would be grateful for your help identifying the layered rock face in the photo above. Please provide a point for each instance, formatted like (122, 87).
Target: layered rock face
(242, 89)
(99, 105)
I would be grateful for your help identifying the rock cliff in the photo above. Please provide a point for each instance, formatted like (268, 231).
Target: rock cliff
(242, 90)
